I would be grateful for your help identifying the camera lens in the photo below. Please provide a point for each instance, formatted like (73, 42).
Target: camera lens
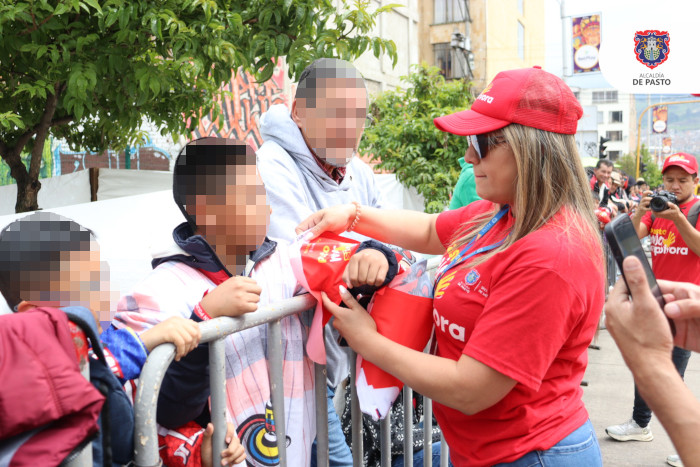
(658, 204)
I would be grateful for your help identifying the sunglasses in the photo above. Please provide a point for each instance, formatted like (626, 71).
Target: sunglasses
(481, 145)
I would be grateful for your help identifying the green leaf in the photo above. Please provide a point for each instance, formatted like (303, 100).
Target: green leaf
(155, 86)
(95, 4)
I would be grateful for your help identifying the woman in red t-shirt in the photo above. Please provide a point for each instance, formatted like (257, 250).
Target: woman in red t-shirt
(519, 290)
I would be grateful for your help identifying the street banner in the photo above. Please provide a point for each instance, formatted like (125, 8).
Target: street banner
(659, 118)
(666, 145)
(586, 43)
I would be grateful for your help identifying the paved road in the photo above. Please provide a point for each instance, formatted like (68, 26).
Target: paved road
(609, 397)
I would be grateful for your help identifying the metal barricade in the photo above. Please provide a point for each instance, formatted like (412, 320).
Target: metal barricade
(214, 332)
(84, 458)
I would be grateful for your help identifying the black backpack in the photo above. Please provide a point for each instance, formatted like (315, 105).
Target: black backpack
(114, 444)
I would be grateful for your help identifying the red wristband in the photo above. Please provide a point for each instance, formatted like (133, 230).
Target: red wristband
(199, 311)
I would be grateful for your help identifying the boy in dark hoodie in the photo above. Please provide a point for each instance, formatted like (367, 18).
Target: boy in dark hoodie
(216, 187)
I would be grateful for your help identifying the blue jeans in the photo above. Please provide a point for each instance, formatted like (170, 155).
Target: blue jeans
(339, 454)
(418, 457)
(641, 413)
(579, 449)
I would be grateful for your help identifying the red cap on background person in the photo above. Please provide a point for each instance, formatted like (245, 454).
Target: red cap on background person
(685, 161)
(528, 96)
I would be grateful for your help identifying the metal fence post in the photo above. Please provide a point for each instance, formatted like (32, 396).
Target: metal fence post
(356, 415)
(145, 431)
(274, 351)
(427, 432)
(444, 452)
(385, 436)
(408, 427)
(217, 382)
(321, 397)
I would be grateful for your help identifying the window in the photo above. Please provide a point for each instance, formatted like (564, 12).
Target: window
(521, 41)
(521, 8)
(601, 117)
(604, 97)
(443, 58)
(614, 135)
(450, 11)
(577, 95)
(616, 116)
(613, 155)
(451, 63)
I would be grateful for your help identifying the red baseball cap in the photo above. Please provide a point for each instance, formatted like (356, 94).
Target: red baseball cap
(685, 161)
(528, 96)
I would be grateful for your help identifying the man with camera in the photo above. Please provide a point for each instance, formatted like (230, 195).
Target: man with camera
(670, 218)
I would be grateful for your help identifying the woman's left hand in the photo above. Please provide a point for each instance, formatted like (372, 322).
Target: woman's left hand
(353, 322)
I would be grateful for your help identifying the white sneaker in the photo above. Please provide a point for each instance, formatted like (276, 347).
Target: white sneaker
(674, 460)
(630, 431)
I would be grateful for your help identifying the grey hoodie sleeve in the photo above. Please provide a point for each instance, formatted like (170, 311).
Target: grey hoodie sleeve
(284, 191)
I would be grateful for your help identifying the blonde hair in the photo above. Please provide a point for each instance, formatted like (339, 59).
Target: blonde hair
(550, 178)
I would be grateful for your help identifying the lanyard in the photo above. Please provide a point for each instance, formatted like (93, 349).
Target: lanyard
(464, 253)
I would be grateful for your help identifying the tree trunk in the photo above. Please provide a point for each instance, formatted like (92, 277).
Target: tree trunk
(27, 196)
(28, 184)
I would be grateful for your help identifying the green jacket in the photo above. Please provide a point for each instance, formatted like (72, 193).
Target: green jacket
(465, 190)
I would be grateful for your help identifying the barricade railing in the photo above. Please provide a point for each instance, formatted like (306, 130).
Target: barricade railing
(214, 332)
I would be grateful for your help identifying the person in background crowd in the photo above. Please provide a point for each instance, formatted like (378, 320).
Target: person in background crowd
(618, 196)
(465, 189)
(599, 184)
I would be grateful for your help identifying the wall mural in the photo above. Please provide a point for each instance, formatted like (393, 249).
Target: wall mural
(240, 113)
(144, 157)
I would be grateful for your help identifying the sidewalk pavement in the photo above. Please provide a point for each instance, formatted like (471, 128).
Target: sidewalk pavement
(609, 397)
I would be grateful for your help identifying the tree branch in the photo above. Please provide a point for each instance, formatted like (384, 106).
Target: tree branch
(42, 130)
(36, 26)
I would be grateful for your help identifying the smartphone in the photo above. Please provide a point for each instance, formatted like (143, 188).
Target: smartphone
(624, 242)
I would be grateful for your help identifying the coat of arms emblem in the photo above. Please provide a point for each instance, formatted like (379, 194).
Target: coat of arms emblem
(651, 47)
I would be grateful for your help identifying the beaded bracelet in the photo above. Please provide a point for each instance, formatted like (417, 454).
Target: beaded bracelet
(358, 211)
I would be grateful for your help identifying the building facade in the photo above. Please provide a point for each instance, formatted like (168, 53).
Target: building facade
(477, 39)
(615, 118)
(402, 26)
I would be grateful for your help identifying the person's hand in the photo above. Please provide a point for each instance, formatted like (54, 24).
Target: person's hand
(183, 333)
(639, 327)
(353, 322)
(234, 297)
(683, 307)
(233, 454)
(613, 208)
(366, 267)
(673, 213)
(336, 219)
(644, 202)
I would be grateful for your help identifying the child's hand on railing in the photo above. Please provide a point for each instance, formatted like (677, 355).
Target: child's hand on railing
(234, 297)
(183, 333)
(233, 454)
(368, 267)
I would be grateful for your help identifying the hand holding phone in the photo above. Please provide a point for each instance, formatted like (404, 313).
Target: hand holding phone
(623, 241)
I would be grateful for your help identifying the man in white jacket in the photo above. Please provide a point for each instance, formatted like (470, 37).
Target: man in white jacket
(308, 162)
